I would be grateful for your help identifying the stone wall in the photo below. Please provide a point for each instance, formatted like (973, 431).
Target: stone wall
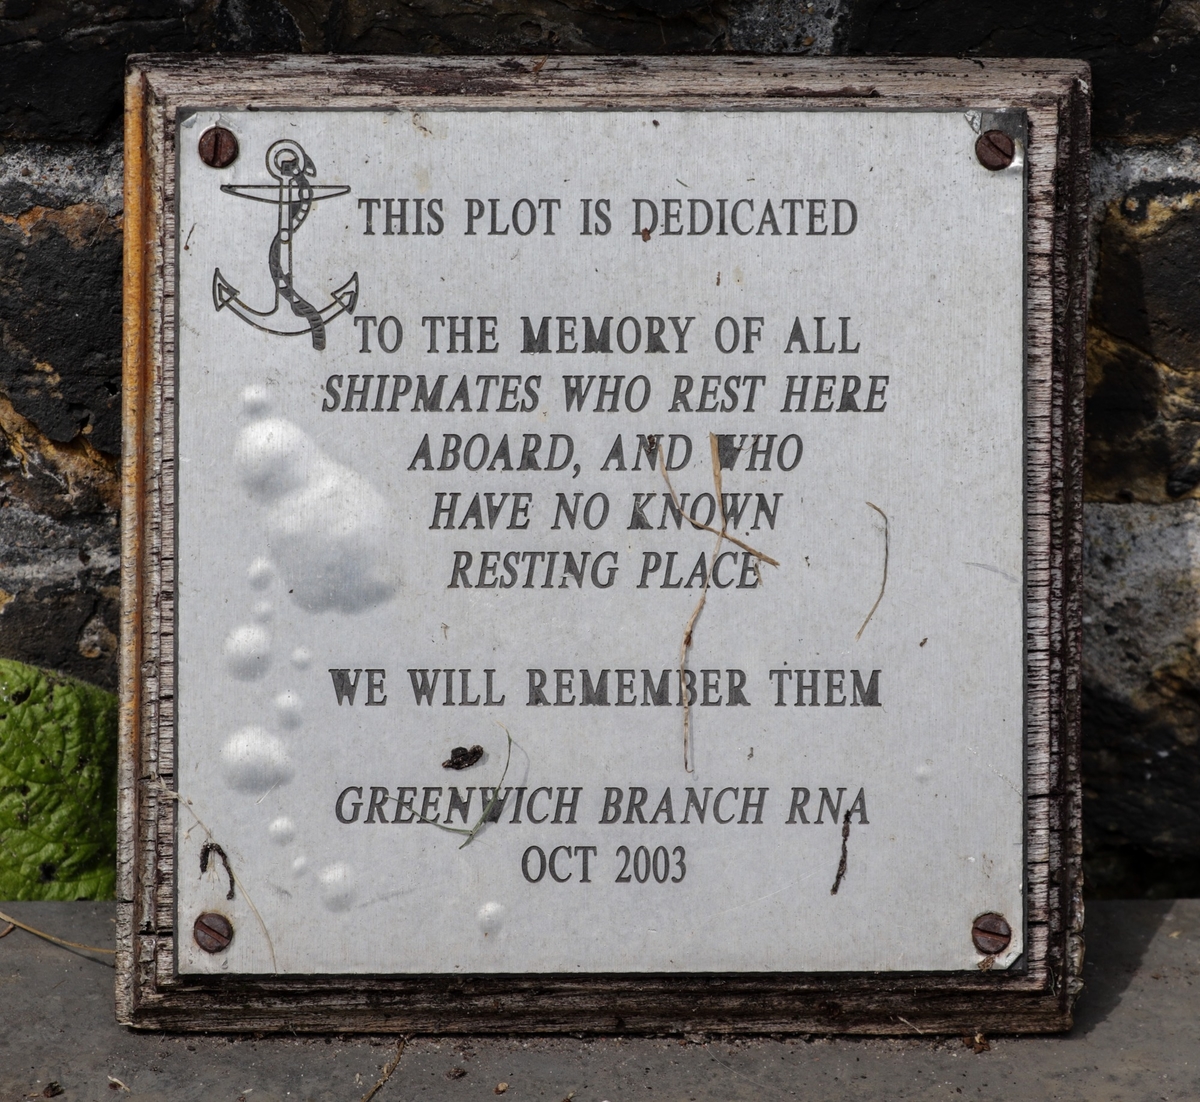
(61, 66)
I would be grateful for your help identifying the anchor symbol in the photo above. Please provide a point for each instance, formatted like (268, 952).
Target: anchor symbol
(293, 196)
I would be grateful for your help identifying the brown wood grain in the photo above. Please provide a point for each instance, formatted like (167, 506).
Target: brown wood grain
(1036, 997)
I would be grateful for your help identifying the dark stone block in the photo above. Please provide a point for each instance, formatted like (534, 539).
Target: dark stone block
(59, 174)
(70, 627)
(59, 588)
(1141, 772)
(1148, 279)
(62, 62)
(59, 567)
(257, 26)
(60, 322)
(1145, 55)
(1143, 405)
(564, 26)
(1130, 872)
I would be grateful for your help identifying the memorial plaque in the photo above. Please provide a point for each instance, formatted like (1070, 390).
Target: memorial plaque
(601, 544)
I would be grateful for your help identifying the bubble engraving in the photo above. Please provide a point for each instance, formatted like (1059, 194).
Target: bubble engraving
(337, 887)
(260, 573)
(248, 652)
(332, 534)
(282, 830)
(490, 918)
(253, 760)
(289, 709)
(255, 401)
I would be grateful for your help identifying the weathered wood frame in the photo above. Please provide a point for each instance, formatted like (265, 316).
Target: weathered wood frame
(1036, 998)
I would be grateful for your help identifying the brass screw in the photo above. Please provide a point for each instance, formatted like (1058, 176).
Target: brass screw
(991, 933)
(213, 932)
(994, 149)
(218, 147)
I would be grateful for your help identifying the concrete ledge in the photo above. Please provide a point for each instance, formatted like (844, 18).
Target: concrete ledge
(1137, 1036)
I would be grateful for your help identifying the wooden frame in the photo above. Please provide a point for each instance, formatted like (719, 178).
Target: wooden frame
(1037, 998)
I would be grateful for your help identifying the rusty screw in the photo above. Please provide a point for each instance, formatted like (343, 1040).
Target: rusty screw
(213, 932)
(991, 933)
(994, 149)
(218, 147)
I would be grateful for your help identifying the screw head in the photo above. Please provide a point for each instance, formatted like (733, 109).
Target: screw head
(213, 932)
(994, 149)
(218, 147)
(991, 933)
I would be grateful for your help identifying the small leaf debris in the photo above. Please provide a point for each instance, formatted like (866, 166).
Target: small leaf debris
(456, 1073)
(53, 1089)
(976, 1042)
(487, 815)
(463, 758)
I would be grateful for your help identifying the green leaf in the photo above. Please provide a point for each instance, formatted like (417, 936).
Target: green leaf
(58, 786)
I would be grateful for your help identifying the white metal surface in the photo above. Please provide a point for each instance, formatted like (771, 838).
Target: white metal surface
(305, 546)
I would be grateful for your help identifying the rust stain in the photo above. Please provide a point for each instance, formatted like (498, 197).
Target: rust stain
(1145, 217)
(134, 353)
(82, 224)
(77, 466)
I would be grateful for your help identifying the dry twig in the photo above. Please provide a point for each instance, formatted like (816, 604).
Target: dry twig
(883, 584)
(483, 818)
(722, 534)
(841, 869)
(49, 937)
(390, 1067)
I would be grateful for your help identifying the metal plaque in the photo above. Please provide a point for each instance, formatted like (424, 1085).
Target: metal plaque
(612, 537)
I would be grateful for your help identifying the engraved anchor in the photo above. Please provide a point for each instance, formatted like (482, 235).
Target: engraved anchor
(293, 195)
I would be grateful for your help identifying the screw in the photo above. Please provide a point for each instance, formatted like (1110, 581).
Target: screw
(218, 147)
(994, 149)
(991, 933)
(213, 932)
